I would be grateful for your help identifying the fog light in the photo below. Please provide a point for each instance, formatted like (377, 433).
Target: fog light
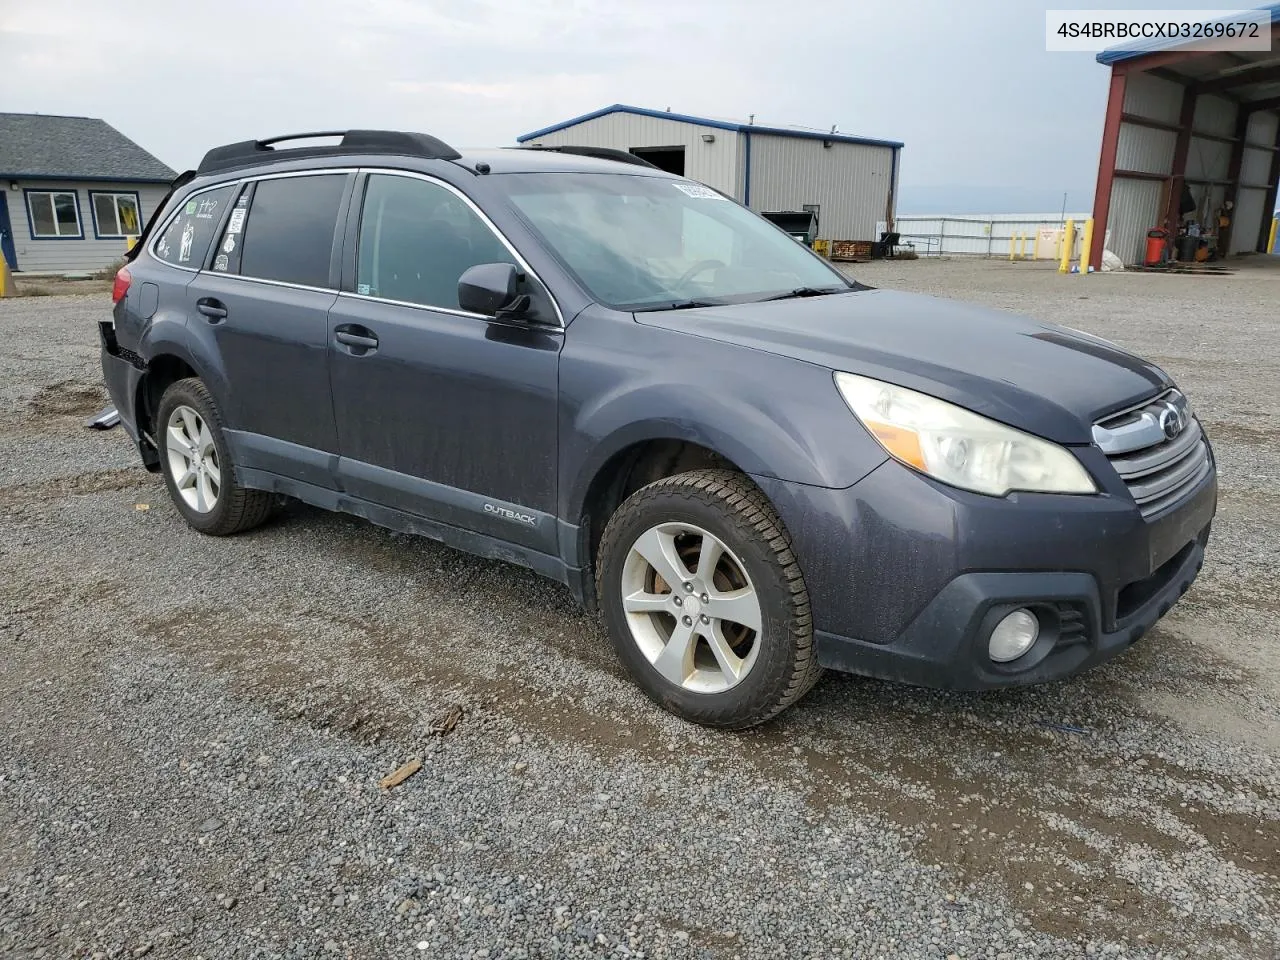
(1013, 636)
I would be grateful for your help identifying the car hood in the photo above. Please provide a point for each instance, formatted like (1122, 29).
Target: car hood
(1039, 377)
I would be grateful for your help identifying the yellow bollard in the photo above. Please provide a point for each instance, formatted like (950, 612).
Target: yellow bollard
(1068, 246)
(1085, 244)
(1271, 241)
(6, 279)
(129, 243)
(1022, 246)
(1012, 238)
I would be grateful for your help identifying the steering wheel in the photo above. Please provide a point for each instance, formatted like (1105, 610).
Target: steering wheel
(696, 269)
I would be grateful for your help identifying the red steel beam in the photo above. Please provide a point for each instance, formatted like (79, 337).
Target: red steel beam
(1106, 167)
(1178, 173)
(1233, 179)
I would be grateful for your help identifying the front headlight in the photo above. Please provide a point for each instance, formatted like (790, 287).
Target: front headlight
(958, 447)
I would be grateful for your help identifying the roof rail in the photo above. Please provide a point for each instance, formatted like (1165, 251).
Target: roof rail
(600, 153)
(250, 152)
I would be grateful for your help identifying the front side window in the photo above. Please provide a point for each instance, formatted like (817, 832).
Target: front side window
(647, 243)
(417, 238)
(55, 214)
(116, 214)
(288, 234)
(185, 241)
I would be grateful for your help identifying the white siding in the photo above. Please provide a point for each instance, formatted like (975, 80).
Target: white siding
(1145, 149)
(1214, 115)
(849, 182)
(1153, 97)
(69, 255)
(1262, 128)
(1208, 159)
(1248, 220)
(715, 164)
(1255, 167)
(1135, 209)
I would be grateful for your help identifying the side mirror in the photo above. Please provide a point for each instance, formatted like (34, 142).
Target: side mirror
(492, 289)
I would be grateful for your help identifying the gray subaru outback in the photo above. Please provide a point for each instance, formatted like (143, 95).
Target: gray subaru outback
(567, 359)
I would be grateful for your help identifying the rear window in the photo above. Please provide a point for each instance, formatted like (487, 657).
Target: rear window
(288, 234)
(185, 241)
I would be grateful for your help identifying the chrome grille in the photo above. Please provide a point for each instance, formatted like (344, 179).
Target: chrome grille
(1157, 448)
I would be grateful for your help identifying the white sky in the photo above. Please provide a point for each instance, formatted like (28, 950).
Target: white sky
(990, 120)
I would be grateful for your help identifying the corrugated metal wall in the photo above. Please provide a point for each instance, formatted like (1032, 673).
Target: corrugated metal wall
(1255, 171)
(849, 182)
(715, 164)
(1135, 209)
(1153, 97)
(1262, 128)
(1247, 222)
(984, 235)
(1137, 205)
(1214, 115)
(1145, 149)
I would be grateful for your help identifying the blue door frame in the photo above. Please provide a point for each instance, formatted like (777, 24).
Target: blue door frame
(6, 235)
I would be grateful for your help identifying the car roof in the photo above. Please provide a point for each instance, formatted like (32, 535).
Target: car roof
(533, 160)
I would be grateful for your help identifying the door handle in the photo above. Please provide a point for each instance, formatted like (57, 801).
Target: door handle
(214, 310)
(361, 338)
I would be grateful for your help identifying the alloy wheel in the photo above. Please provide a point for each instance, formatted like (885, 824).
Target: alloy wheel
(193, 459)
(691, 607)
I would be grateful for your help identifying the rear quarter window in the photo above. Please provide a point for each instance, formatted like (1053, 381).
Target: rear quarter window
(185, 241)
(289, 230)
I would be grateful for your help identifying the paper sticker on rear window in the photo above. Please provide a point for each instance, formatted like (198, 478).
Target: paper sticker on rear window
(697, 190)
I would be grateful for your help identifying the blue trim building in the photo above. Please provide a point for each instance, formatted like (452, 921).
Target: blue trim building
(849, 180)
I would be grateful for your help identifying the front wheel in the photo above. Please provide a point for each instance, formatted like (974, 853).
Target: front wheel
(704, 600)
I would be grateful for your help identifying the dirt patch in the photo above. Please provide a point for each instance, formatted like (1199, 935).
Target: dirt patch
(69, 398)
(49, 491)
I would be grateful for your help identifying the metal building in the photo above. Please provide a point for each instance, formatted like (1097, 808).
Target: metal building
(849, 181)
(1205, 121)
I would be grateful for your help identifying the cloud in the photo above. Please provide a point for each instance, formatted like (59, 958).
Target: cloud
(974, 96)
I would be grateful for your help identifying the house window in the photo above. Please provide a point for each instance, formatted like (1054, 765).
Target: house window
(54, 214)
(116, 214)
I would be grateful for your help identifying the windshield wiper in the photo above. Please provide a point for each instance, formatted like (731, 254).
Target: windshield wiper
(806, 292)
(679, 305)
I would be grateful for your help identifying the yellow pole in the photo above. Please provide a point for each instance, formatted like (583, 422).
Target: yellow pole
(1085, 244)
(6, 279)
(129, 242)
(1012, 237)
(1271, 241)
(1035, 246)
(1068, 246)
(1022, 246)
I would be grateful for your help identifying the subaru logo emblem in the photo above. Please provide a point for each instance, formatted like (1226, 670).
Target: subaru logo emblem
(1171, 421)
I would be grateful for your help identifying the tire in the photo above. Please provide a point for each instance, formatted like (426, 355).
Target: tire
(232, 508)
(771, 667)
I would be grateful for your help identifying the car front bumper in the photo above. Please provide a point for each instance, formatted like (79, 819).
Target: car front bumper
(907, 577)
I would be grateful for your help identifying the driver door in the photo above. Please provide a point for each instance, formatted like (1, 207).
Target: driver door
(441, 413)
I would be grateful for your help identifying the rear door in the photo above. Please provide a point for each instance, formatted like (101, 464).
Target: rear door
(263, 298)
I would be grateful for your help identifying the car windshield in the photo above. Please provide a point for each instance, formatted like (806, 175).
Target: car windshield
(652, 243)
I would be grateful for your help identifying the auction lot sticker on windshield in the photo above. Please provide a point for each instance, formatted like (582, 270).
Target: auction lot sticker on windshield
(697, 190)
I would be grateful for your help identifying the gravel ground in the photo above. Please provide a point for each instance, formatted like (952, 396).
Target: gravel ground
(192, 730)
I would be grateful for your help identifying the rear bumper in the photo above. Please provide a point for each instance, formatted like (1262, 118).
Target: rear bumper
(121, 373)
(907, 577)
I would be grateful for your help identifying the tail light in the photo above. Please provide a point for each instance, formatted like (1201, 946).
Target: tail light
(121, 286)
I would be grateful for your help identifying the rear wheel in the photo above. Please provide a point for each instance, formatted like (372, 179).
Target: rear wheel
(704, 600)
(197, 466)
